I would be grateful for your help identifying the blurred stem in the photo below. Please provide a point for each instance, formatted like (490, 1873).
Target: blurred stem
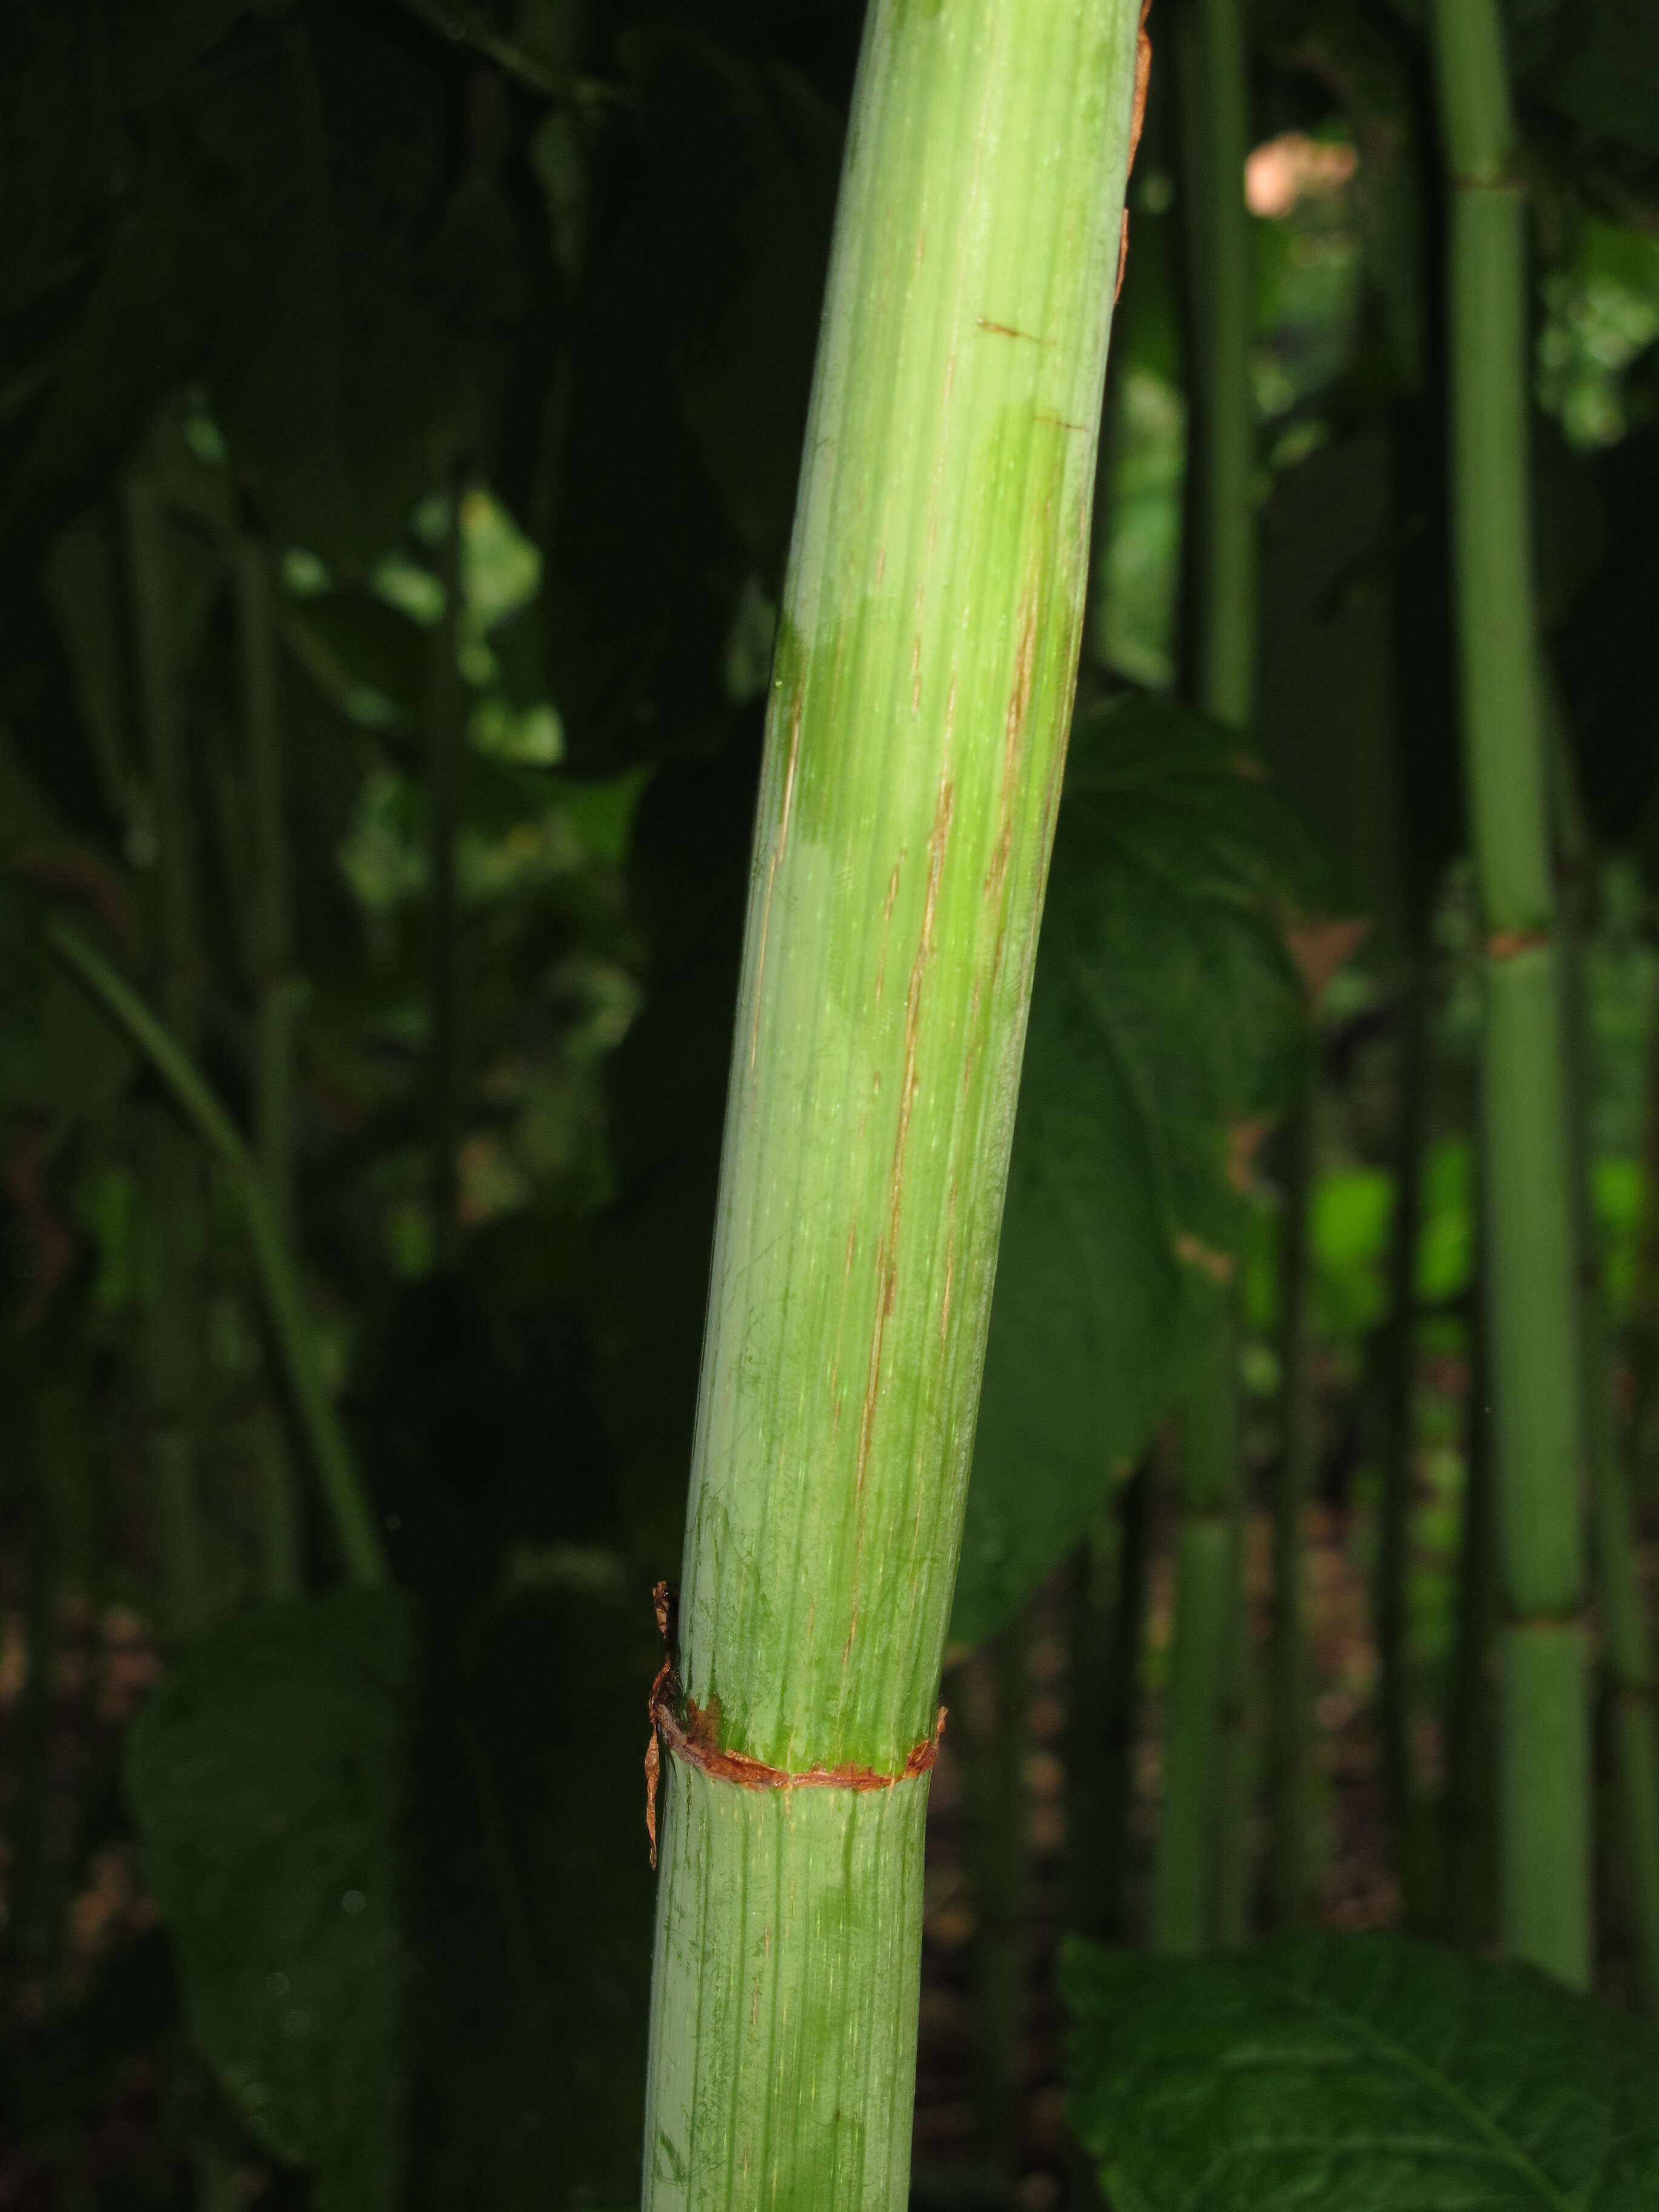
(1293, 1484)
(1627, 1648)
(997, 1780)
(1467, 1813)
(174, 1178)
(1545, 1814)
(446, 752)
(27, 1924)
(1109, 1634)
(275, 1007)
(1399, 1384)
(1206, 1794)
(337, 1470)
(1235, 1788)
(1206, 1563)
(1221, 581)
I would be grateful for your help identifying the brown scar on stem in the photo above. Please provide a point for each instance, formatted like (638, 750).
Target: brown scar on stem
(1007, 330)
(690, 1737)
(1059, 422)
(1510, 944)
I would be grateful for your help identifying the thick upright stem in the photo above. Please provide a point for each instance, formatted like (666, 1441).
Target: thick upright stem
(1293, 1482)
(276, 995)
(1544, 1792)
(447, 710)
(926, 655)
(1206, 1564)
(1399, 1388)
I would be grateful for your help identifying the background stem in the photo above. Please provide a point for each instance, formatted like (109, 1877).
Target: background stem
(445, 740)
(172, 1170)
(1398, 1393)
(343, 1493)
(1544, 1825)
(275, 1007)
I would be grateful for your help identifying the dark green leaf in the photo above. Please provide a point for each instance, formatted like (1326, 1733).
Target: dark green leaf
(1356, 2074)
(268, 1776)
(1164, 1013)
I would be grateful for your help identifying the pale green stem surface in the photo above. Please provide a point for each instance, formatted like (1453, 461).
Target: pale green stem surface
(337, 1470)
(920, 694)
(1544, 1786)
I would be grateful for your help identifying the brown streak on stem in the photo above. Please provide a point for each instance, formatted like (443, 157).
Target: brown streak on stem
(772, 859)
(1007, 330)
(693, 1741)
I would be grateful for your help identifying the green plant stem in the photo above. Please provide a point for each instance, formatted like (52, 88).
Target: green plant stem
(275, 1007)
(446, 757)
(1220, 590)
(1234, 1787)
(1221, 512)
(1398, 1386)
(1628, 1649)
(1544, 1794)
(337, 1470)
(996, 1768)
(174, 1181)
(920, 694)
(1468, 1809)
(1184, 1896)
(1293, 1483)
(1108, 1641)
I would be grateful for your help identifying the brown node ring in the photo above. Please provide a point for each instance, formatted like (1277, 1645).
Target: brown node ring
(692, 1740)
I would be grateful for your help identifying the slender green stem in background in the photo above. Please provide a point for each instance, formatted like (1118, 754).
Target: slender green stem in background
(1107, 1641)
(1467, 1840)
(1220, 614)
(1293, 1484)
(1221, 513)
(1206, 1565)
(1544, 1797)
(1626, 1646)
(1236, 1750)
(920, 694)
(173, 1176)
(998, 1804)
(337, 1470)
(446, 759)
(276, 992)
(275, 1004)
(1398, 1449)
